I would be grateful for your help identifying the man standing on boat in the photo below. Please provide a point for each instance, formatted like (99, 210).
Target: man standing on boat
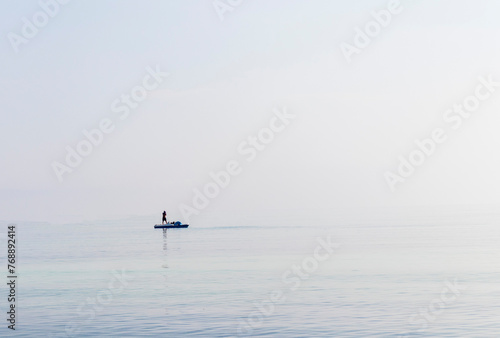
(164, 217)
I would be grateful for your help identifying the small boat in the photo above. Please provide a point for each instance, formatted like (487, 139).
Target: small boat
(171, 226)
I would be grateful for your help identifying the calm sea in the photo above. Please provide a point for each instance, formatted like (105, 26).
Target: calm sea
(385, 278)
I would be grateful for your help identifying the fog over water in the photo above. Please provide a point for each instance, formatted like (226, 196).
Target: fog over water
(337, 163)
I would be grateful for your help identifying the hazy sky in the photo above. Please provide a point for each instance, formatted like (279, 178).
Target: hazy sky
(352, 121)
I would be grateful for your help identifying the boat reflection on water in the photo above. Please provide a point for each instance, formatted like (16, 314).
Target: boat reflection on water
(165, 249)
(165, 227)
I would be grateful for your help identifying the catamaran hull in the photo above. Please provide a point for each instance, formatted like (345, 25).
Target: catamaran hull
(170, 226)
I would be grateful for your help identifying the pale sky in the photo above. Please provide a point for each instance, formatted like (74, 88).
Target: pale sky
(352, 120)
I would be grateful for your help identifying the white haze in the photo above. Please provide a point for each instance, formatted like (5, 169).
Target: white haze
(352, 121)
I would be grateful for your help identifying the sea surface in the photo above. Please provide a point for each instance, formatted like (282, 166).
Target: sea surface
(425, 277)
